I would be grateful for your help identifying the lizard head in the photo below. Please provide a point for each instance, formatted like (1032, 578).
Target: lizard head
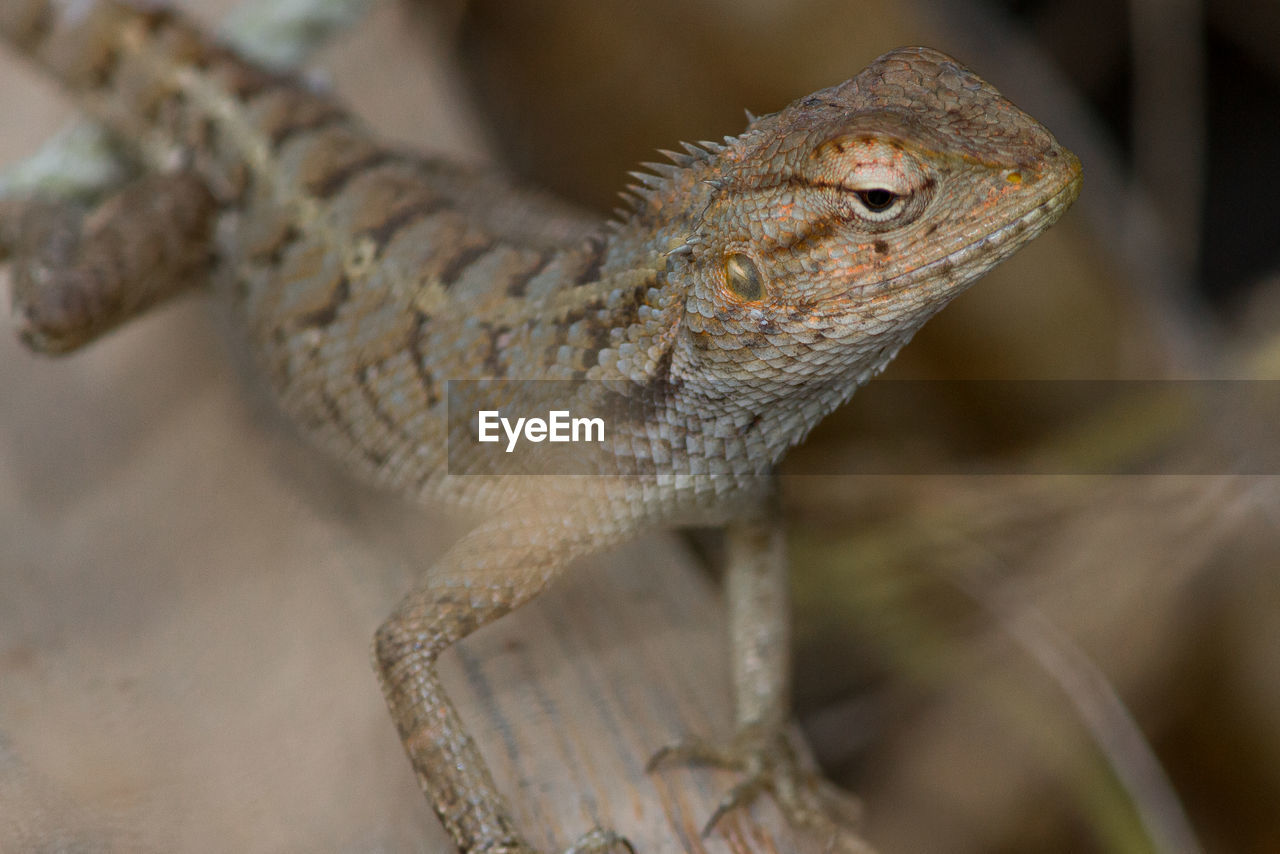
(833, 229)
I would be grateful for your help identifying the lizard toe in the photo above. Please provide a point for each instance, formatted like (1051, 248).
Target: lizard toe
(595, 841)
(770, 764)
(600, 841)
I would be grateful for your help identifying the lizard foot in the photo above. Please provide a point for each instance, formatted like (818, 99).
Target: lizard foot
(770, 763)
(600, 842)
(595, 841)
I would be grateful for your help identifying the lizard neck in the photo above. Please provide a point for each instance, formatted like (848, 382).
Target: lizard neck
(637, 303)
(718, 405)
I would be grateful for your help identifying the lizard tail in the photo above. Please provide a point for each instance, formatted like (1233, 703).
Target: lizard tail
(162, 87)
(80, 43)
(76, 278)
(154, 79)
(110, 53)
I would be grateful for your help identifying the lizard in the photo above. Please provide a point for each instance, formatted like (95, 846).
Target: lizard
(748, 289)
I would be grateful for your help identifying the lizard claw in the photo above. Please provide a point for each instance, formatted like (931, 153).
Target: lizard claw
(597, 841)
(600, 841)
(771, 764)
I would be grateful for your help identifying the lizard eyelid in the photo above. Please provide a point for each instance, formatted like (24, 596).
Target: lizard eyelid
(882, 186)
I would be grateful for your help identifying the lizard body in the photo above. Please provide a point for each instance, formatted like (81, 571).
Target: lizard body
(751, 288)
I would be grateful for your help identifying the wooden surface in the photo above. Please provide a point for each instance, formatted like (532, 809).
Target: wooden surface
(187, 597)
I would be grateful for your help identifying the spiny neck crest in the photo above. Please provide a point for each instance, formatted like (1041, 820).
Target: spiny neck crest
(655, 181)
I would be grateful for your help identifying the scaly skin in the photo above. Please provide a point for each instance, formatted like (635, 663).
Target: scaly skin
(754, 285)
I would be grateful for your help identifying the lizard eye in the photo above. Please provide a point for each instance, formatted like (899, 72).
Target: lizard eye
(877, 199)
(878, 183)
(743, 277)
(879, 204)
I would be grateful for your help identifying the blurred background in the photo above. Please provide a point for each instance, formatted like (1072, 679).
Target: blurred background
(996, 663)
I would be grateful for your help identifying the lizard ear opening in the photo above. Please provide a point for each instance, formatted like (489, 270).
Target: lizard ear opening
(743, 277)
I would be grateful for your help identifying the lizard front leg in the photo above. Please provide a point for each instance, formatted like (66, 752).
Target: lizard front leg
(493, 570)
(762, 750)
